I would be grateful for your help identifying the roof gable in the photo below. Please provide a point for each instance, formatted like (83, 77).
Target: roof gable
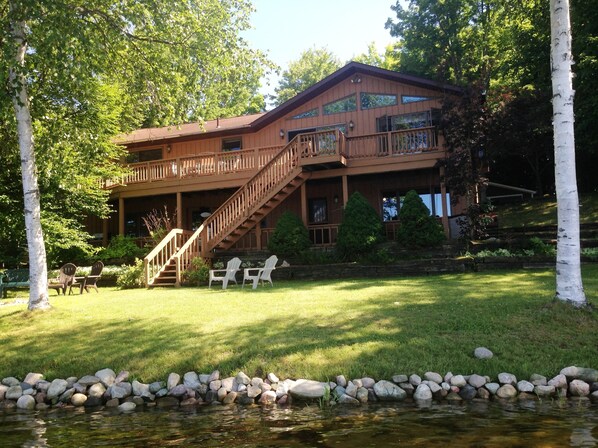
(255, 122)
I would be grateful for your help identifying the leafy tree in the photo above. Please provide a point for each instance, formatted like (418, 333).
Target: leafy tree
(464, 123)
(290, 237)
(312, 66)
(387, 60)
(451, 40)
(78, 73)
(569, 287)
(360, 230)
(417, 227)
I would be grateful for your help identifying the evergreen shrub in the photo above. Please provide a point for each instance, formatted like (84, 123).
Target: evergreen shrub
(290, 237)
(361, 229)
(417, 227)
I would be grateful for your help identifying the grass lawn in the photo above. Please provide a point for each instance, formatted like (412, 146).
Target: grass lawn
(542, 212)
(319, 329)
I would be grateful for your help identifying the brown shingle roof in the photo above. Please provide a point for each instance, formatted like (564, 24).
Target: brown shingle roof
(169, 132)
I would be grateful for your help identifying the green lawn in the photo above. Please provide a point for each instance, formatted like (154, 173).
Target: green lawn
(310, 329)
(542, 212)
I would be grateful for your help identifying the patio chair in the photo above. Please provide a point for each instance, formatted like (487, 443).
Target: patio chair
(65, 278)
(263, 274)
(229, 274)
(90, 280)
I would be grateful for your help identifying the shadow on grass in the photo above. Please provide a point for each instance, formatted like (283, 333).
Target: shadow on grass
(431, 323)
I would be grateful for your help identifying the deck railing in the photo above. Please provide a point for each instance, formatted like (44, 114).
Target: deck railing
(194, 166)
(404, 142)
(395, 143)
(163, 253)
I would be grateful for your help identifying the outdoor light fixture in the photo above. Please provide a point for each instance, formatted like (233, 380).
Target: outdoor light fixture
(168, 148)
(356, 79)
(335, 199)
(281, 133)
(351, 125)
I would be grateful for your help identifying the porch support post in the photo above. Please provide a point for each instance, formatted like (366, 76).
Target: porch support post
(258, 235)
(121, 216)
(104, 232)
(179, 210)
(345, 190)
(303, 190)
(445, 222)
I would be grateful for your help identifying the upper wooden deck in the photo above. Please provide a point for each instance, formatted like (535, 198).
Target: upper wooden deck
(372, 153)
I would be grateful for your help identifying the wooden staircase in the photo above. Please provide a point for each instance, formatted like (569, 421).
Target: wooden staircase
(271, 185)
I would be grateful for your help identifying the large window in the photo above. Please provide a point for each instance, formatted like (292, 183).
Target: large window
(393, 201)
(145, 155)
(373, 100)
(318, 211)
(346, 104)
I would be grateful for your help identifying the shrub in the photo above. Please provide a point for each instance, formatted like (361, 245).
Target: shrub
(360, 230)
(417, 228)
(198, 272)
(539, 247)
(122, 249)
(132, 276)
(290, 237)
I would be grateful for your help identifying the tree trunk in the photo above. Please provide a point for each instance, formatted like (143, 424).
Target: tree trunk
(38, 274)
(569, 286)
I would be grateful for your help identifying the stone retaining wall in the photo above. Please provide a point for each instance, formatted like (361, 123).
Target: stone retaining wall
(105, 388)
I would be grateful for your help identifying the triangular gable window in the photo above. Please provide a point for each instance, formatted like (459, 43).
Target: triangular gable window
(408, 99)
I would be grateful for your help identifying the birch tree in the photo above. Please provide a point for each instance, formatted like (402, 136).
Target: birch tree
(38, 275)
(569, 285)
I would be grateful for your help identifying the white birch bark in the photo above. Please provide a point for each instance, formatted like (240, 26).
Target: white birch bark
(38, 274)
(569, 285)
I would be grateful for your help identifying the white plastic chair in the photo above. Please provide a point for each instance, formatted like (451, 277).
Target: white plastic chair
(232, 267)
(263, 274)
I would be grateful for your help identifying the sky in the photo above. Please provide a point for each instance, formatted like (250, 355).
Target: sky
(283, 29)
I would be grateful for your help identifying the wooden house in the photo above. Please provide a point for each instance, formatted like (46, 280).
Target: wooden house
(360, 129)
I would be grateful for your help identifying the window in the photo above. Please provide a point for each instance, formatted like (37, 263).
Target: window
(318, 211)
(231, 144)
(135, 226)
(145, 155)
(373, 100)
(390, 206)
(347, 104)
(307, 114)
(408, 99)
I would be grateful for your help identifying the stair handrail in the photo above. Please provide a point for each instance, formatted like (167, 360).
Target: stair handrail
(161, 255)
(187, 252)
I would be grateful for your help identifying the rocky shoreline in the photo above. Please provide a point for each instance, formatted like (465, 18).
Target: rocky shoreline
(111, 390)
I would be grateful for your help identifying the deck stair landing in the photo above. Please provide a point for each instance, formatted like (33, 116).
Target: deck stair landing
(271, 185)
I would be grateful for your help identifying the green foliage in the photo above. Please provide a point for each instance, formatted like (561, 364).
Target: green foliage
(360, 230)
(539, 247)
(198, 273)
(290, 237)
(312, 66)
(132, 276)
(121, 249)
(417, 227)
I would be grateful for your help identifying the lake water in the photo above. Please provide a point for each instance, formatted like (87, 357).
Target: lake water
(475, 424)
